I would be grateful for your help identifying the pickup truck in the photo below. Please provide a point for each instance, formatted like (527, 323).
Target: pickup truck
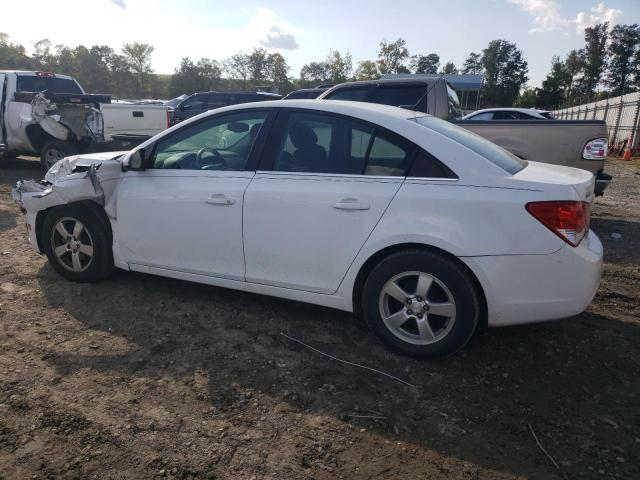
(50, 116)
(576, 143)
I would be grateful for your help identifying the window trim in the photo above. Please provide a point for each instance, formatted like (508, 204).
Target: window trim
(256, 148)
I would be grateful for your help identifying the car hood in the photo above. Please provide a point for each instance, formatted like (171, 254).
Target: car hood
(81, 163)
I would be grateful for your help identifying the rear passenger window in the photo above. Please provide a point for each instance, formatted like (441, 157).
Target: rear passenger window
(322, 143)
(389, 156)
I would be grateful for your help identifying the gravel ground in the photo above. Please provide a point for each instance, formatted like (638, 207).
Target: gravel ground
(145, 377)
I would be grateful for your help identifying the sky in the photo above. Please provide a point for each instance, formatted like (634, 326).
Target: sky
(304, 31)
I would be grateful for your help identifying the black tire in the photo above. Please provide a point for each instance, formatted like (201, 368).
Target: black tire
(53, 150)
(95, 233)
(452, 286)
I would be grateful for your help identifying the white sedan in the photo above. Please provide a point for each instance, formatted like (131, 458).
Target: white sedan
(423, 228)
(510, 114)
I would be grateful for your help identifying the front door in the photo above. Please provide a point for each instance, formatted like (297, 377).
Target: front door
(330, 180)
(184, 212)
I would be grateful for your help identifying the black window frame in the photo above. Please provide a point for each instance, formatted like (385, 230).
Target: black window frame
(256, 150)
(270, 152)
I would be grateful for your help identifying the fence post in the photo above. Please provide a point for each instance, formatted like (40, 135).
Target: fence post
(635, 126)
(615, 129)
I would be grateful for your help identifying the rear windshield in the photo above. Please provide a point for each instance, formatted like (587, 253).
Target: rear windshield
(454, 103)
(27, 83)
(492, 152)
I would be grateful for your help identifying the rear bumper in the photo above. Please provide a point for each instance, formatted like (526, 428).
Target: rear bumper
(602, 181)
(533, 288)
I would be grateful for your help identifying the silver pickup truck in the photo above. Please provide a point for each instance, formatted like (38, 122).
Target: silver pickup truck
(50, 115)
(575, 143)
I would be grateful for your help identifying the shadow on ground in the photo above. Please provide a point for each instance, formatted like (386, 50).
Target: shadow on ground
(476, 406)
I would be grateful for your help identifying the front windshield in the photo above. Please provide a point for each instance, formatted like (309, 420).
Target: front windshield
(492, 152)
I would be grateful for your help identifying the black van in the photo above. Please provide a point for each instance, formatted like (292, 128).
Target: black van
(203, 101)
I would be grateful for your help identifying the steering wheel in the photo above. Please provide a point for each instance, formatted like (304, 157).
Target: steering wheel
(219, 163)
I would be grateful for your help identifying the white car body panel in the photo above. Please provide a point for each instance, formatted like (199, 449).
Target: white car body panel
(298, 246)
(193, 216)
(303, 231)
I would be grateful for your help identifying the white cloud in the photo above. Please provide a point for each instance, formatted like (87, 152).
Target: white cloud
(277, 39)
(140, 23)
(547, 16)
(119, 3)
(598, 14)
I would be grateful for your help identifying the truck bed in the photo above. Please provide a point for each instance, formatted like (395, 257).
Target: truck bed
(542, 140)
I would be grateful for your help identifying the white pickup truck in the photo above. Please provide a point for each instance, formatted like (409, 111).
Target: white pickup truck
(50, 116)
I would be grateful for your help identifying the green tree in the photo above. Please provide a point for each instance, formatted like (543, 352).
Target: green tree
(449, 69)
(367, 70)
(425, 63)
(393, 56)
(138, 56)
(43, 58)
(238, 66)
(12, 55)
(314, 73)
(473, 64)
(338, 66)
(555, 86)
(278, 72)
(594, 55)
(505, 72)
(574, 65)
(258, 66)
(526, 99)
(621, 50)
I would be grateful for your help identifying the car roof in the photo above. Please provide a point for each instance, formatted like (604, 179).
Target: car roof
(238, 93)
(510, 109)
(33, 73)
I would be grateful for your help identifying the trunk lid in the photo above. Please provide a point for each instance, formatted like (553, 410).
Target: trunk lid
(539, 175)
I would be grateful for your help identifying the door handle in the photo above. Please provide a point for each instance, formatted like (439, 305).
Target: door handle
(220, 199)
(351, 204)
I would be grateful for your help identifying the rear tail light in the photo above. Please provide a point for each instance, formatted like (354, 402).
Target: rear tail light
(596, 149)
(168, 118)
(567, 219)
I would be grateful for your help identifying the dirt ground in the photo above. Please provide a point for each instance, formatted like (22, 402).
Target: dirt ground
(145, 377)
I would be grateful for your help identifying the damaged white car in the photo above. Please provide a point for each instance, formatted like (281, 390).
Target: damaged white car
(425, 229)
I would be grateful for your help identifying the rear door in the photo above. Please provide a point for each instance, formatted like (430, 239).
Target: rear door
(325, 183)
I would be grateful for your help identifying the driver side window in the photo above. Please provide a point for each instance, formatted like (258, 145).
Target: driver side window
(217, 143)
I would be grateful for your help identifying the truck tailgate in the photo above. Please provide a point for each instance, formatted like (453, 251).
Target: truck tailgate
(133, 119)
(558, 142)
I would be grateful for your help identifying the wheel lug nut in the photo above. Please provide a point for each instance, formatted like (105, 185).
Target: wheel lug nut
(419, 315)
(409, 312)
(419, 299)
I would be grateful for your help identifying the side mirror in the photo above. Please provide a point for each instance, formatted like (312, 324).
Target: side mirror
(136, 160)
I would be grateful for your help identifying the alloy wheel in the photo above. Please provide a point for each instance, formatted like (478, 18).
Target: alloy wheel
(72, 244)
(417, 307)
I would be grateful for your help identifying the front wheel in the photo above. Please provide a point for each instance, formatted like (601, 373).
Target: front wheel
(55, 150)
(77, 244)
(421, 303)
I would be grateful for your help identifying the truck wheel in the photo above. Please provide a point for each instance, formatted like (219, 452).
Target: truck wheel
(77, 244)
(55, 150)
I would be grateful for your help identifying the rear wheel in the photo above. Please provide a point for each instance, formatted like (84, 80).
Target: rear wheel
(55, 150)
(77, 244)
(421, 303)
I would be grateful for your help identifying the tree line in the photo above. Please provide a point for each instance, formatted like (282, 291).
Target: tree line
(610, 59)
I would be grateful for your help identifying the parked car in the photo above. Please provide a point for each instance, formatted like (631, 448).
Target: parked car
(305, 93)
(413, 222)
(201, 102)
(574, 143)
(50, 115)
(509, 114)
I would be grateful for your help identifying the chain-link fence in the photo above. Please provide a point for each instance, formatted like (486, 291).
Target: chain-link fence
(622, 115)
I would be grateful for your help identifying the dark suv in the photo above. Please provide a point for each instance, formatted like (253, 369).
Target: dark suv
(203, 101)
